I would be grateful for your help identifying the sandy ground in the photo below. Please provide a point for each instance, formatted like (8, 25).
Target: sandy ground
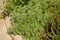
(4, 25)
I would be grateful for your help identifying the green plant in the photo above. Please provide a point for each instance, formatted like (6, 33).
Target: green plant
(34, 19)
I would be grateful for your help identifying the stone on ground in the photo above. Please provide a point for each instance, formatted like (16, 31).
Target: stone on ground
(16, 37)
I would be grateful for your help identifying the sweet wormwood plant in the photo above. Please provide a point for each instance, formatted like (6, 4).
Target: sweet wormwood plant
(34, 19)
